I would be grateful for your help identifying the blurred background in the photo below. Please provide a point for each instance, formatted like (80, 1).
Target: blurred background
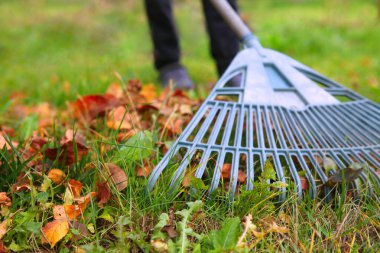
(53, 50)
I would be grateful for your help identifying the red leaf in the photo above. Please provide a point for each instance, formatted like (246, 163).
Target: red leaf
(104, 193)
(91, 106)
(66, 153)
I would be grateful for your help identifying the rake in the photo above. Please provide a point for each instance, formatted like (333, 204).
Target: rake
(282, 111)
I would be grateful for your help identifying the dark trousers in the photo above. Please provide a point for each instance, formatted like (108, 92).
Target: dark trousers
(224, 43)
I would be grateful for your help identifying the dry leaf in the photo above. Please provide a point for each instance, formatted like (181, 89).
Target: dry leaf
(304, 183)
(119, 118)
(88, 107)
(59, 212)
(75, 188)
(56, 175)
(143, 171)
(4, 143)
(159, 246)
(226, 173)
(117, 175)
(115, 90)
(277, 229)
(2, 247)
(5, 200)
(54, 231)
(22, 183)
(104, 193)
(68, 153)
(149, 92)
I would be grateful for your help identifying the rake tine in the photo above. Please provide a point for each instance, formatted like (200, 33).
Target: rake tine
(234, 175)
(295, 175)
(161, 166)
(309, 176)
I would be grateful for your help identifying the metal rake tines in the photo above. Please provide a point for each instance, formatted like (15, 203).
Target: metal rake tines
(295, 141)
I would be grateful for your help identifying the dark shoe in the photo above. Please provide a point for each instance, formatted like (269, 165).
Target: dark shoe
(177, 75)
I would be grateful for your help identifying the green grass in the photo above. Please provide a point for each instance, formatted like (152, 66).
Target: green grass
(54, 50)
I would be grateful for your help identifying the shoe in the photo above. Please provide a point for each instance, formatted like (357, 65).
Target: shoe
(177, 75)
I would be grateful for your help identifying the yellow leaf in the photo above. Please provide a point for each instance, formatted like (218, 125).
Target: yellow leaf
(56, 175)
(149, 92)
(159, 246)
(55, 231)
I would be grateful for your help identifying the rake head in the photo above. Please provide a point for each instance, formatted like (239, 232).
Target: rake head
(283, 111)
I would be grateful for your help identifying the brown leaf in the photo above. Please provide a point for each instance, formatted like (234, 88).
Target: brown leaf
(348, 174)
(22, 183)
(81, 228)
(56, 175)
(5, 200)
(169, 228)
(304, 183)
(2, 247)
(54, 231)
(143, 171)
(91, 106)
(66, 153)
(117, 175)
(226, 173)
(104, 193)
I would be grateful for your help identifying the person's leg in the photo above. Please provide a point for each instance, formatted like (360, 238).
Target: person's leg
(224, 42)
(166, 44)
(163, 32)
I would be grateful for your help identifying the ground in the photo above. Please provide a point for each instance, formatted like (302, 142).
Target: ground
(56, 51)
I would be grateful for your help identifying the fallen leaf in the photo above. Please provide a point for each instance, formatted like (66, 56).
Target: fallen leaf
(56, 175)
(75, 188)
(170, 228)
(226, 173)
(277, 229)
(115, 90)
(348, 175)
(119, 118)
(117, 175)
(149, 92)
(54, 231)
(88, 107)
(4, 227)
(22, 183)
(159, 246)
(3, 249)
(68, 153)
(143, 171)
(4, 143)
(5, 200)
(59, 212)
(304, 183)
(80, 228)
(104, 193)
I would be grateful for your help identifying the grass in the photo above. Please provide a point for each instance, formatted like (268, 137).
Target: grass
(54, 50)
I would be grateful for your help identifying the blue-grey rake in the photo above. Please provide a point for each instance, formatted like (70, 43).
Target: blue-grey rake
(283, 111)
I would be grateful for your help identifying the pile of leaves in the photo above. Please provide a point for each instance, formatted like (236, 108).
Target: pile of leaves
(45, 148)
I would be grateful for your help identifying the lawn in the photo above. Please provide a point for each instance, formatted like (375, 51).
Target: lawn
(73, 165)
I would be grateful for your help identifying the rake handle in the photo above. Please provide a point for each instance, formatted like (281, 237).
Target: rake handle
(236, 23)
